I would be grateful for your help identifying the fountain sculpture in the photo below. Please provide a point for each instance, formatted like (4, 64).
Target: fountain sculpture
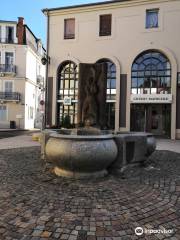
(89, 150)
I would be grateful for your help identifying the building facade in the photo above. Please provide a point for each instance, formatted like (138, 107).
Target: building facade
(139, 41)
(21, 76)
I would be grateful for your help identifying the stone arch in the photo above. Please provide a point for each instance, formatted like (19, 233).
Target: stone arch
(116, 61)
(62, 92)
(171, 56)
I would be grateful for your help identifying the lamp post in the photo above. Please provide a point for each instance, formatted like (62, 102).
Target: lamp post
(45, 61)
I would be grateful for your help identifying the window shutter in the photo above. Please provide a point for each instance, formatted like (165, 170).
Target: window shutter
(105, 25)
(69, 28)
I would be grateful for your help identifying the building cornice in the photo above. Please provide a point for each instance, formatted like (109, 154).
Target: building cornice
(7, 22)
(100, 6)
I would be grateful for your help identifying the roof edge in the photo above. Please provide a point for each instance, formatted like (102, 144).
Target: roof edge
(45, 10)
(6, 21)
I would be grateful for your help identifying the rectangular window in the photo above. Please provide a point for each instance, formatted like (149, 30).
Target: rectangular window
(69, 28)
(10, 34)
(105, 25)
(152, 18)
(8, 86)
(3, 113)
(9, 58)
(9, 61)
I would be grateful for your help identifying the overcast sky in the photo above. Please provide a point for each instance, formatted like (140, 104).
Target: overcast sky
(31, 11)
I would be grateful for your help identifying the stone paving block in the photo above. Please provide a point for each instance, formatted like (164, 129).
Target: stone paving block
(64, 236)
(36, 233)
(46, 234)
(72, 237)
(47, 207)
(91, 238)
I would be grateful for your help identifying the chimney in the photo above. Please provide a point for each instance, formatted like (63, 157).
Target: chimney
(20, 30)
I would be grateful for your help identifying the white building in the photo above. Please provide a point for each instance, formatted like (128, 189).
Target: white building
(22, 76)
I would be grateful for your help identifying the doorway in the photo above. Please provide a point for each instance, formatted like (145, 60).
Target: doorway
(153, 118)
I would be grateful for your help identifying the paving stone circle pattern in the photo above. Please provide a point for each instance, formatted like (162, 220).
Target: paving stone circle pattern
(36, 205)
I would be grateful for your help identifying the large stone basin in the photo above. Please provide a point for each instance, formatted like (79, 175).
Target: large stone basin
(81, 156)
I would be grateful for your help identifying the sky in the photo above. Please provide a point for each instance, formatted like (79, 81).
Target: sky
(31, 11)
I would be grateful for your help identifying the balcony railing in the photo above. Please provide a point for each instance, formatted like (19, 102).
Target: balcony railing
(7, 68)
(10, 96)
(7, 40)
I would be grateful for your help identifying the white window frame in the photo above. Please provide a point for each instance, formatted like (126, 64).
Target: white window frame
(13, 35)
(148, 11)
(5, 81)
(13, 56)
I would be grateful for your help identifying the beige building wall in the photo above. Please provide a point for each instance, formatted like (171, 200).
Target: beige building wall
(129, 38)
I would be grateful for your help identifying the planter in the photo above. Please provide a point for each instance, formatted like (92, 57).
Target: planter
(81, 156)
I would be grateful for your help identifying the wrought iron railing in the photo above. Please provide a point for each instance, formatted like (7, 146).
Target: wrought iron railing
(10, 96)
(7, 68)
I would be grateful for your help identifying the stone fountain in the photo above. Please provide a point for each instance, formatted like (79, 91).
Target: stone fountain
(89, 150)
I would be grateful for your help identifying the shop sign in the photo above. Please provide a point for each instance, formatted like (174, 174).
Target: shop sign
(67, 101)
(151, 98)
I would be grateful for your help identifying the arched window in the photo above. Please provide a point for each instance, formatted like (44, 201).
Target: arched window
(111, 92)
(67, 87)
(151, 73)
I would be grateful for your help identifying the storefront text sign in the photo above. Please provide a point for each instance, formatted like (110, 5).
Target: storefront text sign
(151, 98)
(67, 101)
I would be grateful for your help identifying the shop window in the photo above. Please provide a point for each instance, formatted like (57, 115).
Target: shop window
(105, 25)
(152, 18)
(69, 28)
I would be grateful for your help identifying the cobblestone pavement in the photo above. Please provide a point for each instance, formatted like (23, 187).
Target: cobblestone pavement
(34, 204)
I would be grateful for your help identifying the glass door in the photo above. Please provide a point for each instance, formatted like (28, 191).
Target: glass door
(138, 117)
(153, 118)
(161, 119)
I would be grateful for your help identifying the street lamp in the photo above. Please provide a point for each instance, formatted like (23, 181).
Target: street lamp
(45, 59)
